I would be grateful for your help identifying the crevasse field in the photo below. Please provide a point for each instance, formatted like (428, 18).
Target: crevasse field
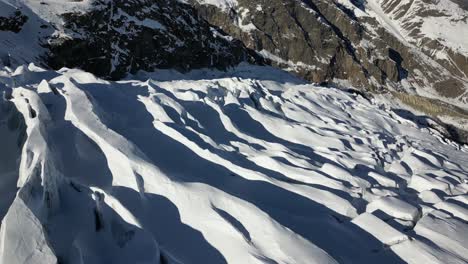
(249, 166)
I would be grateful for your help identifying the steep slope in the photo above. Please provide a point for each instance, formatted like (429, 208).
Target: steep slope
(435, 27)
(113, 38)
(246, 166)
(414, 45)
(12, 132)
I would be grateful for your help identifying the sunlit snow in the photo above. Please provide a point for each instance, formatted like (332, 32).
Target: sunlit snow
(247, 166)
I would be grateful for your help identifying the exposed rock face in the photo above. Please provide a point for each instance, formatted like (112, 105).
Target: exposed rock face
(117, 37)
(374, 44)
(13, 23)
(361, 42)
(462, 3)
(434, 27)
(294, 35)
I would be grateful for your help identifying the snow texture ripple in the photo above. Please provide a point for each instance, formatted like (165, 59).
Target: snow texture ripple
(249, 166)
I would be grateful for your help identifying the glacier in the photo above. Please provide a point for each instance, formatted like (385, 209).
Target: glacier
(252, 165)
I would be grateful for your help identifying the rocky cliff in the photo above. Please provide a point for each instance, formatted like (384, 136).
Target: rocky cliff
(116, 37)
(113, 38)
(377, 44)
(411, 46)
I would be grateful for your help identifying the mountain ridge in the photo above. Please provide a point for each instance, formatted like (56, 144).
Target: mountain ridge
(379, 40)
(375, 45)
(165, 136)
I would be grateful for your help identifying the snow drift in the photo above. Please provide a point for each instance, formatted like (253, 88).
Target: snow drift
(249, 166)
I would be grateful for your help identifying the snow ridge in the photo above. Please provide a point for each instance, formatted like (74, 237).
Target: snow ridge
(248, 166)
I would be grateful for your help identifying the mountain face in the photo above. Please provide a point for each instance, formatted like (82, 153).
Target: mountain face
(374, 44)
(155, 132)
(377, 45)
(117, 37)
(113, 38)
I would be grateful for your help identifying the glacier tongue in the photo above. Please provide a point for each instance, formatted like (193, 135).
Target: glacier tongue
(249, 166)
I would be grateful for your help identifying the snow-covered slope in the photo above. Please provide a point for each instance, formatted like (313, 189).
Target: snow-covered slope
(248, 166)
(424, 21)
(113, 38)
(436, 28)
(416, 46)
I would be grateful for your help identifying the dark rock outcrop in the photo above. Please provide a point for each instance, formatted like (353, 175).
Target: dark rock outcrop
(327, 42)
(14, 22)
(117, 37)
(336, 43)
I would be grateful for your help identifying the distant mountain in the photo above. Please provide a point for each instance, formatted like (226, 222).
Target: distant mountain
(157, 131)
(414, 46)
(113, 38)
(375, 44)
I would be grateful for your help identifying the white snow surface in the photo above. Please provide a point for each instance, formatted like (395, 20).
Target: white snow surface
(222, 4)
(246, 166)
(441, 20)
(27, 45)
